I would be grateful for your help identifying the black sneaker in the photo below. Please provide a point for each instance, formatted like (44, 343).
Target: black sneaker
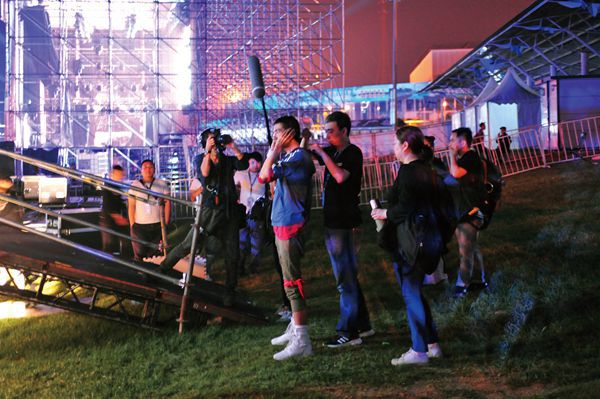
(340, 341)
(479, 286)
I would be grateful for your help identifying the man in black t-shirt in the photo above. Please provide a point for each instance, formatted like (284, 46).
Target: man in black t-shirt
(112, 217)
(342, 181)
(465, 166)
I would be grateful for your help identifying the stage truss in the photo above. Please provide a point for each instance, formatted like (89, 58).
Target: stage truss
(141, 73)
(301, 48)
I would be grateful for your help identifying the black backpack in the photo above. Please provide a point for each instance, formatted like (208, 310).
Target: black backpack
(260, 208)
(423, 237)
(493, 184)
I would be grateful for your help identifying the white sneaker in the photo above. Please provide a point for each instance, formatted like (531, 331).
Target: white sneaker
(299, 345)
(286, 336)
(411, 357)
(434, 351)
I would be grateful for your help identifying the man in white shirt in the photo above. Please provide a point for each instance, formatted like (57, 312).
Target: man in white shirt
(144, 217)
(251, 236)
(196, 190)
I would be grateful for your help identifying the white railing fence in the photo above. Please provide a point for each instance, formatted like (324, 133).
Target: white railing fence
(523, 150)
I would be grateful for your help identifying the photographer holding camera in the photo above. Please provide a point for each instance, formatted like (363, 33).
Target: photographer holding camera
(221, 215)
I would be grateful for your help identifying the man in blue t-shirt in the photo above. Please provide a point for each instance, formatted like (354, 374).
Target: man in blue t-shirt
(291, 207)
(341, 196)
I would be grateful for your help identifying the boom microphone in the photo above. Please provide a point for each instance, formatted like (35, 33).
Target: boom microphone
(258, 85)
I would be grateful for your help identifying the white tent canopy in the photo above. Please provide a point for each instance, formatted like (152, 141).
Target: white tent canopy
(510, 90)
(511, 104)
(490, 86)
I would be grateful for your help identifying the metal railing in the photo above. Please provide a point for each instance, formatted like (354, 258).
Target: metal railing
(522, 151)
(106, 184)
(527, 149)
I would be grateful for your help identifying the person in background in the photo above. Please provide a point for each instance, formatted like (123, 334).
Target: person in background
(504, 142)
(465, 166)
(251, 236)
(144, 216)
(413, 189)
(112, 216)
(291, 208)
(341, 196)
(196, 190)
(479, 136)
(196, 197)
(438, 165)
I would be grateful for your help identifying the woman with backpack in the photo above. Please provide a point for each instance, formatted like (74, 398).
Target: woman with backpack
(415, 189)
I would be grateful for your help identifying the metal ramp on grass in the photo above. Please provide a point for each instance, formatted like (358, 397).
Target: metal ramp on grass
(40, 267)
(42, 270)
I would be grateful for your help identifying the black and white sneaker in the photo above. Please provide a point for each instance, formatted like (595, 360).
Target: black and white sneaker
(340, 341)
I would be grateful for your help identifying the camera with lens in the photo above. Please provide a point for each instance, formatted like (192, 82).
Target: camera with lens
(221, 140)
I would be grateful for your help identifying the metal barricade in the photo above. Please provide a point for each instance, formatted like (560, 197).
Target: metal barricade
(576, 139)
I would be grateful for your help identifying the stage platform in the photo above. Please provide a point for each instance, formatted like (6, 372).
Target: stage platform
(40, 270)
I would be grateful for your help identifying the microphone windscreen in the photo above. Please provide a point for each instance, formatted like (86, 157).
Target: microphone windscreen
(258, 85)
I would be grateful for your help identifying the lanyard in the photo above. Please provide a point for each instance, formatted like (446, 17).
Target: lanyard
(252, 182)
(147, 187)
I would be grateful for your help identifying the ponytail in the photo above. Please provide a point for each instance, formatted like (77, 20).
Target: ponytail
(415, 139)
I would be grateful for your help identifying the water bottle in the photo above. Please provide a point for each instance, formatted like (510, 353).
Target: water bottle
(376, 205)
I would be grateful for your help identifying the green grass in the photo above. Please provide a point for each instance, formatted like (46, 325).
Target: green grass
(533, 335)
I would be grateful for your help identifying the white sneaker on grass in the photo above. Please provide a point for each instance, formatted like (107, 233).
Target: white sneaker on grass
(286, 336)
(434, 351)
(411, 357)
(299, 345)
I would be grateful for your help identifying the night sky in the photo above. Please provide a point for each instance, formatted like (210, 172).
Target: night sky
(422, 25)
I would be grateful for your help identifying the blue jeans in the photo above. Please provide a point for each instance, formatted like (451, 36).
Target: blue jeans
(342, 246)
(251, 242)
(420, 321)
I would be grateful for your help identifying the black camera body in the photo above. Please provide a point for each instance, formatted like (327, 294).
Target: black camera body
(221, 140)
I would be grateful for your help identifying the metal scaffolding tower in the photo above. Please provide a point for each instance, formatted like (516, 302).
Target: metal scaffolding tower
(139, 73)
(300, 45)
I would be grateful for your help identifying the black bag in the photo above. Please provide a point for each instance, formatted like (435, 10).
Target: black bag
(387, 237)
(422, 238)
(428, 231)
(493, 183)
(239, 215)
(259, 209)
(422, 242)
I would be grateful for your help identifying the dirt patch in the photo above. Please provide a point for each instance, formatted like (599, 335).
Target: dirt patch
(477, 384)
